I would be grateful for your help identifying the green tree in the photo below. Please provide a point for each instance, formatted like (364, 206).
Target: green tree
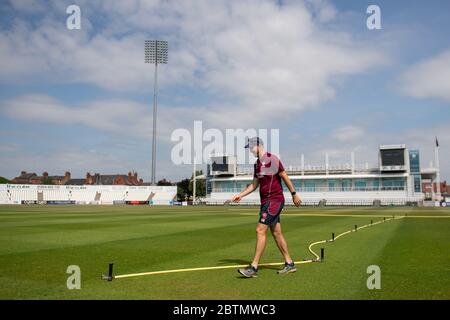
(185, 188)
(47, 180)
(164, 182)
(183, 192)
(200, 185)
(4, 180)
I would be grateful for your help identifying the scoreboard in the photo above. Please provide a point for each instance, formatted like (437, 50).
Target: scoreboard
(223, 165)
(393, 157)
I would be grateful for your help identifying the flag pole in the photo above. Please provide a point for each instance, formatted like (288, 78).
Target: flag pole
(438, 175)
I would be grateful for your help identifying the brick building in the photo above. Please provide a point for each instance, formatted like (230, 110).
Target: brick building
(445, 188)
(130, 179)
(33, 178)
(113, 179)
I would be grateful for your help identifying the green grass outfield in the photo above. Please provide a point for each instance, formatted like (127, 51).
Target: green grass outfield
(38, 243)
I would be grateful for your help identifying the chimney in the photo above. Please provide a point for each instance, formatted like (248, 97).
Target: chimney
(23, 172)
(67, 175)
(45, 174)
(88, 178)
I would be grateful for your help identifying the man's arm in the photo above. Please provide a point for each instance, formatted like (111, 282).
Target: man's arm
(250, 188)
(295, 198)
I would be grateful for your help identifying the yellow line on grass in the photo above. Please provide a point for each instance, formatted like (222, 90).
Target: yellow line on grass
(322, 215)
(436, 217)
(202, 269)
(346, 232)
(345, 215)
(317, 259)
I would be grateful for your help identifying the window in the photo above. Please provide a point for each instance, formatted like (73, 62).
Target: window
(346, 184)
(310, 186)
(414, 162)
(393, 183)
(417, 184)
(376, 184)
(332, 185)
(360, 184)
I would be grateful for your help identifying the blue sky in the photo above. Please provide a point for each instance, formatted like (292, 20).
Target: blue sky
(80, 100)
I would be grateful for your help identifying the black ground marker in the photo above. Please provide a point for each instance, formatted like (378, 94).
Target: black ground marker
(109, 277)
(371, 221)
(332, 236)
(322, 254)
(356, 227)
(384, 219)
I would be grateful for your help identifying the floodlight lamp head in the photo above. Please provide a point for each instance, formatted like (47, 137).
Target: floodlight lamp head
(156, 51)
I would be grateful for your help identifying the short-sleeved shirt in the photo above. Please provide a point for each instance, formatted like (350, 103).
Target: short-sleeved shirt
(267, 169)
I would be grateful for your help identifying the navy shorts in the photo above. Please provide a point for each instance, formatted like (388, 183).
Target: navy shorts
(269, 212)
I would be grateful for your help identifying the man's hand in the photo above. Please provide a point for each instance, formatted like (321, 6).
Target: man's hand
(236, 198)
(250, 188)
(296, 199)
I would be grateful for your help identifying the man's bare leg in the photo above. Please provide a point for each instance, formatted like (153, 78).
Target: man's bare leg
(261, 230)
(281, 242)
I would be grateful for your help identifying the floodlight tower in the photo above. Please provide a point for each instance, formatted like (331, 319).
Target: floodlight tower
(155, 52)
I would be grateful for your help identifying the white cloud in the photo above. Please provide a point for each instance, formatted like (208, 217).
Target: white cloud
(8, 147)
(323, 10)
(109, 116)
(117, 117)
(366, 149)
(111, 156)
(428, 79)
(261, 61)
(129, 131)
(348, 133)
(28, 6)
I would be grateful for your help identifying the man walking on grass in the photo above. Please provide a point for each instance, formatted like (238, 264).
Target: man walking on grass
(268, 173)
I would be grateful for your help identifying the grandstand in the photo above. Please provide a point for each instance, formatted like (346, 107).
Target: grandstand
(394, 180)
(86, 194)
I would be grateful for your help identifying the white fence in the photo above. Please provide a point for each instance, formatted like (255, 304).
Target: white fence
(88, 194)
(354, 198)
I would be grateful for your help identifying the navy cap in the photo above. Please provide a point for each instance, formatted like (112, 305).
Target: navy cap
(255, 141)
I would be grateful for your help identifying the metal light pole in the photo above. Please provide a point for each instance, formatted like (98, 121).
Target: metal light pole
(194, 186)
(155, 52)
